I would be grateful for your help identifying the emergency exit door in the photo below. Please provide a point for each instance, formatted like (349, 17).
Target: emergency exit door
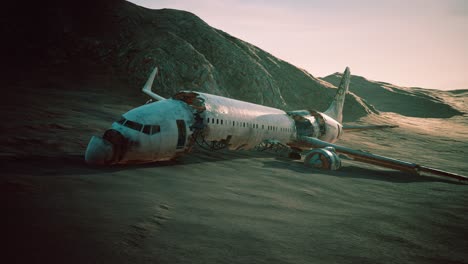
(181, 128)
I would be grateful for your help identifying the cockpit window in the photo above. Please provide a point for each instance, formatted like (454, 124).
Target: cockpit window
(133, 125)
(155, 129)
(151, 129)
(122, 121)
(147, 129)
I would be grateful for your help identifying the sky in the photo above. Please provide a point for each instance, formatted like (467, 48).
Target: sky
(417, 43)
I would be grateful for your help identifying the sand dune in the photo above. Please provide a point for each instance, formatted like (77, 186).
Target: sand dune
(242, 207)
(228, 207)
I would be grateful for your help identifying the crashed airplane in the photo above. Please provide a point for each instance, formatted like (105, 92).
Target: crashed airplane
(168, 128)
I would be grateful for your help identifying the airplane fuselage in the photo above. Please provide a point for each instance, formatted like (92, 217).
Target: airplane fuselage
(166, 129)
(169, 128)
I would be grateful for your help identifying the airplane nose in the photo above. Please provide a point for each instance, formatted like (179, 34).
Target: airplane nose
(99, 151)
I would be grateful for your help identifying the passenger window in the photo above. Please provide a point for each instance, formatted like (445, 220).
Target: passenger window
(217, 121)
(221, 121)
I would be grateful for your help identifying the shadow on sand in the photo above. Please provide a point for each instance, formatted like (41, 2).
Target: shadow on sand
(353, 170)
(75, 165)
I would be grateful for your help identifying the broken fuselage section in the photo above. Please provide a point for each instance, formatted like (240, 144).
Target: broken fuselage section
(166, 129)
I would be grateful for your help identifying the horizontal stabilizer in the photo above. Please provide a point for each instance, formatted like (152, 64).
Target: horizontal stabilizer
(148, 85)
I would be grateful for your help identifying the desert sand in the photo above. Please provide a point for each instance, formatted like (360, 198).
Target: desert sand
(71, 75)
(218, 207)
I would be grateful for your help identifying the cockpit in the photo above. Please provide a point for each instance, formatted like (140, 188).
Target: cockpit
(147, 129)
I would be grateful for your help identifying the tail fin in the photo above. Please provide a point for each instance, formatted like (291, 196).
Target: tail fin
(149, 83)
(335, 110)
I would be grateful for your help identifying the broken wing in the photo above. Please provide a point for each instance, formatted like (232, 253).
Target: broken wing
(362, 156)
(366, 127)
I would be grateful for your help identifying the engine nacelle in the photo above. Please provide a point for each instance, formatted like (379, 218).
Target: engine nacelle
(315, 124)
(323, 158)
(331, 130)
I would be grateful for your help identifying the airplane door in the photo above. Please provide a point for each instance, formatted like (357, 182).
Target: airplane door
(182, 134)
(155, 141)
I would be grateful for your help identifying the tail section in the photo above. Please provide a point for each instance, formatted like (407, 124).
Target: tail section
(335, 110)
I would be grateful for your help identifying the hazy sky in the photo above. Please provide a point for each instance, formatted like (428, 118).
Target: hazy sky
(420, 43)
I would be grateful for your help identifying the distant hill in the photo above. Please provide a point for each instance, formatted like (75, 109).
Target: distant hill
(129, 40)
(414, 102)
(458, 92)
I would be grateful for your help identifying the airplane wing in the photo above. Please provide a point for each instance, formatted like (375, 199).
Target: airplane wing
(352, 128)
(362, 156)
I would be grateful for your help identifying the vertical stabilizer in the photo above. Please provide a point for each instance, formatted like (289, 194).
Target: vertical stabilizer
(335, 110)
(147, 89)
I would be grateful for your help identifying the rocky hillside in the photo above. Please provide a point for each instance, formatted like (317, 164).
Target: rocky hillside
(414, 102)
(128, 41)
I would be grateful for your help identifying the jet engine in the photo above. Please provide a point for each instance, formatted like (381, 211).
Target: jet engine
(315, 124)
(323, 158)
(330, 129)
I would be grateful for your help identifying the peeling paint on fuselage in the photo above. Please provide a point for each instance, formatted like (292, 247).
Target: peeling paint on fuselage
(247, 124)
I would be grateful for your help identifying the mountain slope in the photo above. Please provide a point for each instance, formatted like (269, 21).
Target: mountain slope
(130, 40)
(414, 102)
